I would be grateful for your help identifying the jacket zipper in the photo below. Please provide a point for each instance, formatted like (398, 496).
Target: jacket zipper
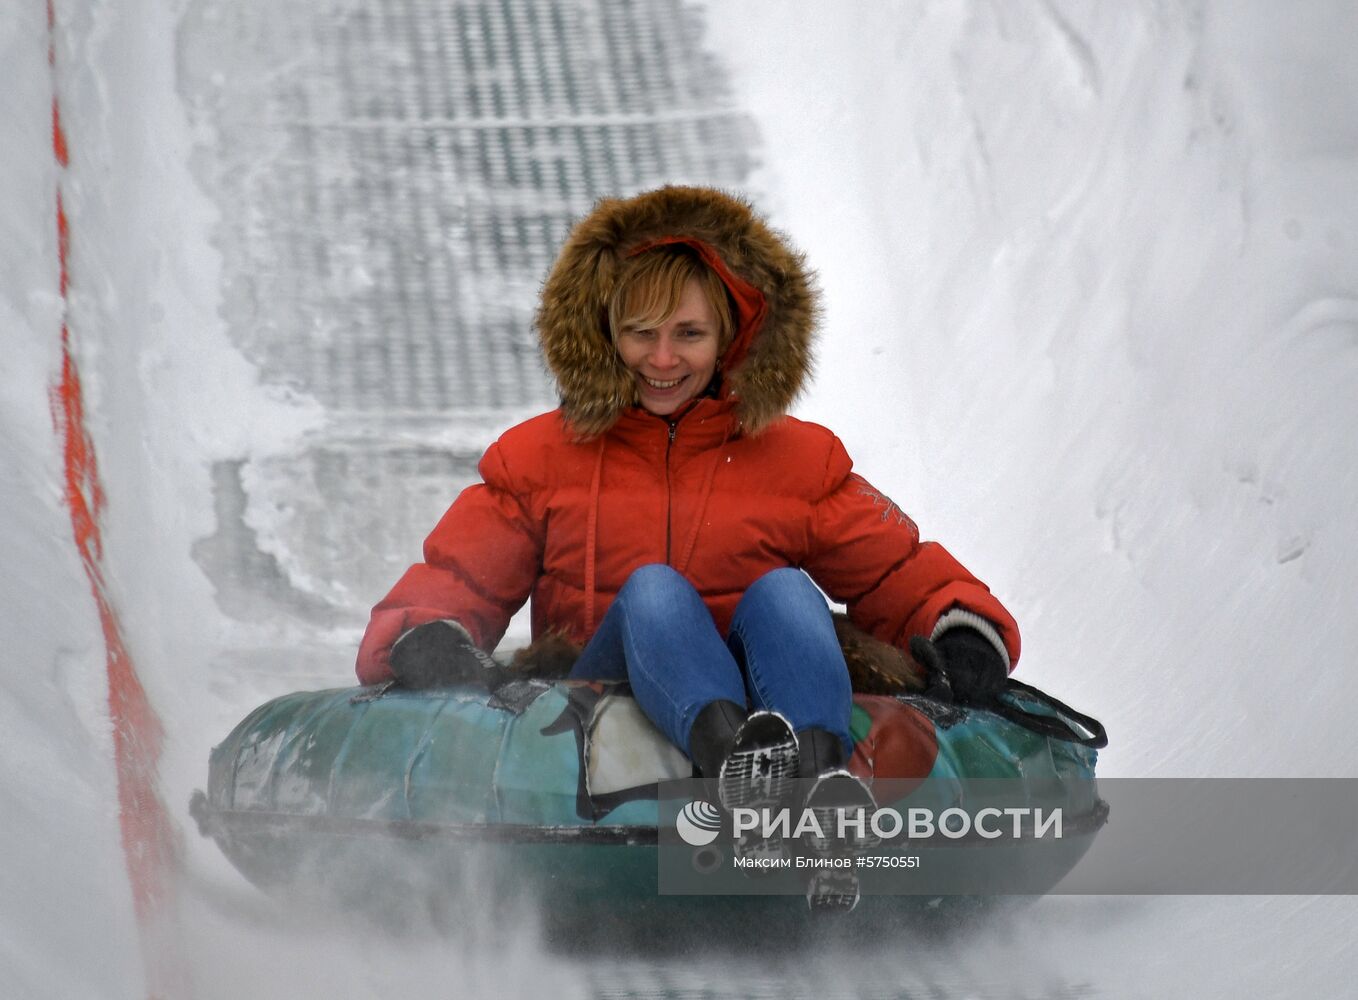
(669, 497)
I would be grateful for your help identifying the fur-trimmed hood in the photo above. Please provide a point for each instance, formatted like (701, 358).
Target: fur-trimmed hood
(769, 360)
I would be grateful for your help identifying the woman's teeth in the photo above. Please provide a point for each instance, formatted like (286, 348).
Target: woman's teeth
(657, 384)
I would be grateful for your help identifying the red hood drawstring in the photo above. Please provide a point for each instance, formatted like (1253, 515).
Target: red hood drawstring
(592, 534)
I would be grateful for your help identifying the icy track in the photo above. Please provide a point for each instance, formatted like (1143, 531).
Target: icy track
(1091, 276)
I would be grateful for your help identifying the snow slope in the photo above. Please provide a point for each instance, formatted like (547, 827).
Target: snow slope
(1094, 266)
(1097, 264)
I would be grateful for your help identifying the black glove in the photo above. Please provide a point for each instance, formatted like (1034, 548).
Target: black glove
(439, 653)
(962, 661)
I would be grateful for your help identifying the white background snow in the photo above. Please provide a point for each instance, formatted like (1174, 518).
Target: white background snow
(1091, 288)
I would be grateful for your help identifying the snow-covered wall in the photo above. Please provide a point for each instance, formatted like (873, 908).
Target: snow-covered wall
(162, 395)
(66, 926)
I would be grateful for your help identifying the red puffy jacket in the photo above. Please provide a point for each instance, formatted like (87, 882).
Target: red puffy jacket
(566, 523)
(575, 500)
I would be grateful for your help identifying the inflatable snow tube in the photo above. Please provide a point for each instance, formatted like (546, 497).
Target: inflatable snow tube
(417, 801)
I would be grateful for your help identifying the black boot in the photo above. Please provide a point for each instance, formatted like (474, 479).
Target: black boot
(713, 734)
(835, 794)
(760, 771)
(819, 751)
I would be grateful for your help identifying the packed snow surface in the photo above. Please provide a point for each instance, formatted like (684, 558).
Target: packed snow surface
(1091, 317)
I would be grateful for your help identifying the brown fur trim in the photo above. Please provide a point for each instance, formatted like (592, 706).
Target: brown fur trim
(550, 657)
(594, 384)
(875, 667)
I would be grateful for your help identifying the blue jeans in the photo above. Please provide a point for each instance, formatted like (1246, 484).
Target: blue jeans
(782, 652)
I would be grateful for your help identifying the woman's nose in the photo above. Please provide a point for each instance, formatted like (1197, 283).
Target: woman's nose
(663, 356)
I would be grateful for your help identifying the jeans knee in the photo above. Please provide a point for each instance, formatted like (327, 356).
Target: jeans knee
(654, 591)
(654, 576)
(787, 589)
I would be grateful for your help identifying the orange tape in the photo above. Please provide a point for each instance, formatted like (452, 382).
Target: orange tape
(149, 845)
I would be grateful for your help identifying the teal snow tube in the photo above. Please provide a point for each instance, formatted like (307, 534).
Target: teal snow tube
(401, 801)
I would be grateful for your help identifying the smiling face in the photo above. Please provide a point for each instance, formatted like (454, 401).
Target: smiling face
(674, 360)
(671, 318)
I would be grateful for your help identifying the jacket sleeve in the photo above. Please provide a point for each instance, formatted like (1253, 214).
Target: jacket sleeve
(480, 564)
(867, 554)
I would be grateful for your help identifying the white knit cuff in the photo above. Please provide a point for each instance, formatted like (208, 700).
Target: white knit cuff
(970, 619)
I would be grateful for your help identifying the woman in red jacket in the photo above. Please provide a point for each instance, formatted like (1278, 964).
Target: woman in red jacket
(669, 518)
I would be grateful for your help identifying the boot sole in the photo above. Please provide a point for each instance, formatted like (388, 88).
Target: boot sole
(761, 769)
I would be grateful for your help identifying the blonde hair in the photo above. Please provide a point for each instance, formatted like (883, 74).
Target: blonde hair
(651, 284)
